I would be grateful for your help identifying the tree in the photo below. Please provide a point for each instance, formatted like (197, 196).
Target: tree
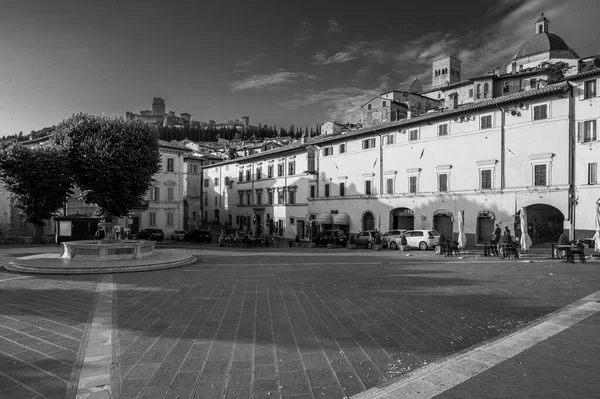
(555, 71)
(112, 160)
(38, 179)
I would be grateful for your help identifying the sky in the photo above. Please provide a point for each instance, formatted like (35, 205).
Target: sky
(277, 62)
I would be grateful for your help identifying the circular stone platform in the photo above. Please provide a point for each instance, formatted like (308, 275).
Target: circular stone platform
(57, 263)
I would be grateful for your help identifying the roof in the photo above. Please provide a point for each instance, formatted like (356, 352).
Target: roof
(166, 144)
(386, 99)
(543, 42)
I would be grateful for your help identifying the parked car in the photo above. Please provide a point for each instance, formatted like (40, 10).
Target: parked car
(367, 238)
(389, 235)
(178, 235)
(322, 238)
(422, 239)
(151, 234)
(198, 235)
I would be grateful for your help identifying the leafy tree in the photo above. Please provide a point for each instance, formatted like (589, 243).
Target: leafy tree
(555, 71)
(38, 179)
(112, 160)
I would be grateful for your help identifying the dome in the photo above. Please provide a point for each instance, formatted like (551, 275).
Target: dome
(540, 43)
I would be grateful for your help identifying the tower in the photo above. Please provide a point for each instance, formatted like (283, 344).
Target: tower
(541, 25)
(445, 71)
(158, 106)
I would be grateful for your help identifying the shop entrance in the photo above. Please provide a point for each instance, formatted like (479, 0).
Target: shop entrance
(443, 223)
(544, 223)
(402, 219)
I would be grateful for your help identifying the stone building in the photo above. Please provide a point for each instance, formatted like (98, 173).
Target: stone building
(159, 116)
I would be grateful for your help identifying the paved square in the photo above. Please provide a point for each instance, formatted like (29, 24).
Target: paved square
(273, 324)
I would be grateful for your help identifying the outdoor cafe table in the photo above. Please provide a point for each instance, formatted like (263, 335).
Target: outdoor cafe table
(563, 247)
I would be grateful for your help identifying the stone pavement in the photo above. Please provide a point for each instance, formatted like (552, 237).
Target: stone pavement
(271, 323)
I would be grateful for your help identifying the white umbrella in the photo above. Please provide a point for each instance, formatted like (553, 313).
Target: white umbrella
(462, 237)
(525, 239)
(597, 228)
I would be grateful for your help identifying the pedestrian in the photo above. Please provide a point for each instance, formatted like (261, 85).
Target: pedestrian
(442, 244)
(99, 233)
(507, 238)
(117, 231)
(495, 241)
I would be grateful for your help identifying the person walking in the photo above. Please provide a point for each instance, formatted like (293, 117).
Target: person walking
(495, 242)
(99, 233)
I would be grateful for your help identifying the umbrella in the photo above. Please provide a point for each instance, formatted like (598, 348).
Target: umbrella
(462, 237)
(525, 239)
(597, 228)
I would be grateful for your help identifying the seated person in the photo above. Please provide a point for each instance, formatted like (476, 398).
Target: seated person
(563, 240)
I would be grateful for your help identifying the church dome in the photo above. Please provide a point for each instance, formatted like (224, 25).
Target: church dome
(540, 43)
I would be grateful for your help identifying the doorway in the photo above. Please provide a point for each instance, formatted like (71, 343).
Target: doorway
(368, 221)
(442, 222)
(300, 229)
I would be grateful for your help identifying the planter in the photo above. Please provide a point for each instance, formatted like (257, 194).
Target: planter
(404, 248)
(352, 246)
(377, 247)
(331, 246)
(311, 245)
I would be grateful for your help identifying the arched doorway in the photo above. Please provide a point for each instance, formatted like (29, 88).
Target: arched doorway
(402, 219)
(368, 221)
(544, 223)
(485, 225)
(443, 221)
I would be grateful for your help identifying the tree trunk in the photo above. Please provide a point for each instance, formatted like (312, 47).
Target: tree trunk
(37, 234)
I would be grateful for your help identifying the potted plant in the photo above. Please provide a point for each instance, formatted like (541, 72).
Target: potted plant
(352, 242)
(331, 243)
(403, 243)
(377, 244)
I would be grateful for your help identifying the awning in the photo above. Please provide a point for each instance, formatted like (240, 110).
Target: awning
(325, 218)
(341, 218)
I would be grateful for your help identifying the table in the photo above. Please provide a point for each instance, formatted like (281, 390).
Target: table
(562, 247)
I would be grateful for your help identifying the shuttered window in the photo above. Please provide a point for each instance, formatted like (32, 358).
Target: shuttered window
(539, 175)
(587, 131)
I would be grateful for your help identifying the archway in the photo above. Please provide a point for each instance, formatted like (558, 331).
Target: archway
(443, 222)
(368, 221)
(544, 223)
(485, 225)
(402, 219)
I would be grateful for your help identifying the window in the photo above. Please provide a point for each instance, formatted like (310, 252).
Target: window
(587, 131)
(540, 112)
(486, 89)
(292, 197)
(194, 168)
(241, 199)
(170, 164)
(389, 186)
(533, 83)
(22, 224)
(258, 198)
(342, 148)
(413, 135)
(505, 88)
(170, 219)
(258, 173)
(206, 182)
(241, 178)
(170, 194)
(270, 197)
(342, 189)
(368, 143)
(313, 191)
(367, 187)
(486, 179)
(369, 106)
(592, 173)
(327, 151)
(216, 182)
(443, 130)
(155, 194)
(589, 89)
(384, 104)
(443, 182)
(152, 219)
(471, 93)
(412, 184)
(270, 171)
(327, 190)
(539, 175)
(486, 122)
(248, 175)
(280, 170)
(280, 196)
(205, 200)
(478, 91)
(389, 139)
(249, 197)
(292, 168)
(292, 220)
(216, 201)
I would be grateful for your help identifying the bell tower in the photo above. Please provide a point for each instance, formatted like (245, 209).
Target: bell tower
(541, 25)
(445, 71)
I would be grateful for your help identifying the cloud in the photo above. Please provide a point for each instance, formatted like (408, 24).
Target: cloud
(334, 26)
(249, 61)
(302, 34)
(354, 50)
(269, 81)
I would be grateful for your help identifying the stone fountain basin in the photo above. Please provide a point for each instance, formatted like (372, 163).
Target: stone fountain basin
(108, 249)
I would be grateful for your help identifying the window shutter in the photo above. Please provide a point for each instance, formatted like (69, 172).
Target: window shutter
(580, 132)
(594, 137)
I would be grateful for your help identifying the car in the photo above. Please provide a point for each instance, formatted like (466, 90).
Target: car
(367, 238)
(322, 238)
(151, 234)
(198, 235)
(391, 234)
(422, 239)
(178, 235)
